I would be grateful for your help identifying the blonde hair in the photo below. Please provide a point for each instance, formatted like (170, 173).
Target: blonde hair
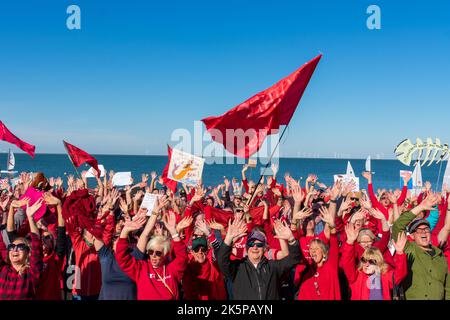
(365, 232)
(161, 241)
(374, 254)
(26, 265)
(322, 246)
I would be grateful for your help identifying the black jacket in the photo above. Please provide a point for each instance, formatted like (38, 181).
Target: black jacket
(261, 283)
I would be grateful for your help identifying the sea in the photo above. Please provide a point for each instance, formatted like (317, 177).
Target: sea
(387, 172)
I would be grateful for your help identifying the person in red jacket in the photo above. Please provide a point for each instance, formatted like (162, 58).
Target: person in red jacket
(372, 278)
(156, 278)
(319, 279)
(19, 274)
(203, 279)
(51, 277)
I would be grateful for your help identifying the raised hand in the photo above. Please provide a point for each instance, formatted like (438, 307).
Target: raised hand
(282, 231)
(153, 175)
(123, 206)
(392, 198)
(135, 224)
(352, 233)
(366, 204)
(327, 217)
(400, 244)
(428, 186)
(297, 193)
(335, 191)
(215, 225)
(59, 182)
(20, 203)
(302, 214)
(138, 196)
(31, 210)
(170, 223)
(377, 214)
(274, 168)
(184, 223)
(161, 202)
(367, 175)
(236, 230)
(429, 202)
(50, 200)
(201, 225)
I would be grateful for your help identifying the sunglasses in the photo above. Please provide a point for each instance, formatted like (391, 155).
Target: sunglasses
(354, 199)
(251, 244)
(370, 261)
(239, 210)
(200, 248)
(157, 253)
(19, 247)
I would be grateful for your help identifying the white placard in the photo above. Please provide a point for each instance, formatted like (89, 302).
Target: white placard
(149, 202)
(90, 173)
(185, 168)
(404, 173)
(122, 179)
(346, 179)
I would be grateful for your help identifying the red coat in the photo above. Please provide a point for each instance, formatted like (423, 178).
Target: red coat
(203, 281)
(358, 280)
(320, 283)
(149, 281)
(50, 281)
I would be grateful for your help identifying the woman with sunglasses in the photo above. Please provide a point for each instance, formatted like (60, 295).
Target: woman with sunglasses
(19, 274)
(371, 278)
(156, 278)
(202, 279)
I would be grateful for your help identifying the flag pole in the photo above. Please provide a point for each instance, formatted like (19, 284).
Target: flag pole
(266, 166)
(76, 170)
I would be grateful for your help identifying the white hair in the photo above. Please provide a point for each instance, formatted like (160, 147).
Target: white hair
(159, 241)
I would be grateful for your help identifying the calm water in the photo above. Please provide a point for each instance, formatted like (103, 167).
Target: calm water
(386, 171)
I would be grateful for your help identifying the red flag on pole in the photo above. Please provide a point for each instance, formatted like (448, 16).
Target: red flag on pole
(242, 130)
(171, 184)
(8, 136)
(78, 157)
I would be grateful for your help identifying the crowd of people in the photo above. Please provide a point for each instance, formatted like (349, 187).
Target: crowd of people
(267, 240)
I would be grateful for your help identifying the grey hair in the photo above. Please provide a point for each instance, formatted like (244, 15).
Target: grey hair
(159, 240)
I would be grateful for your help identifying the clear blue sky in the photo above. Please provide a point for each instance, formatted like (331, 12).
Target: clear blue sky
(137, 70)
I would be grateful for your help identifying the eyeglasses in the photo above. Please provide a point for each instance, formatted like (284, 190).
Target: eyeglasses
(422, 231)
(200, 248)
(251, 244)
(18, 247)
(370, 261)
(157, 253)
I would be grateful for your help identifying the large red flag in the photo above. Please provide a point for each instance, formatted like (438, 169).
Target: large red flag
(8, 136)
(79, 157)
(171, 184)
(242, 130)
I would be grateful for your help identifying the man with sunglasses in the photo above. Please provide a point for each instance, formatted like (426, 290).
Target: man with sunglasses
(255, 277)
(428, 277)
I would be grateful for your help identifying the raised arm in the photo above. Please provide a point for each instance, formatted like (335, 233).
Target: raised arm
(283, 232)
(125, 260)
(236, 230)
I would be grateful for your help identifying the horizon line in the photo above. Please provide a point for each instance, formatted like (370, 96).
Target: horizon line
(165, 155)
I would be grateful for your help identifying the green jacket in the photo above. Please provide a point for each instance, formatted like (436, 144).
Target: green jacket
(428, 277)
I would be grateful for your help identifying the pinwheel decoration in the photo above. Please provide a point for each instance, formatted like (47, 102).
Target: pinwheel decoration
(405, 151)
